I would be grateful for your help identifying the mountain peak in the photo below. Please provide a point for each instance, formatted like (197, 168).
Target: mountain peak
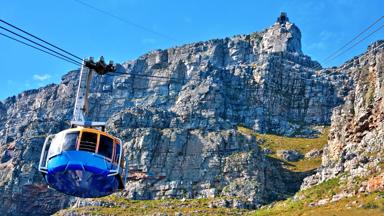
(283, 36)
(282, 18)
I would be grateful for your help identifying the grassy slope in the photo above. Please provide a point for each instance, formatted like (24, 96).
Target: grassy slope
(302, 145)
(364, 204)
(150, 207)
(359, 205)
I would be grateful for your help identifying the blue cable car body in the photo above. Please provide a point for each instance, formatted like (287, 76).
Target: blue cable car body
(83, 161)
(69, 167)
(69, 174)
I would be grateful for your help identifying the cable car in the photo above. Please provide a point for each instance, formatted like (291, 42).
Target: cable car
(84, 161)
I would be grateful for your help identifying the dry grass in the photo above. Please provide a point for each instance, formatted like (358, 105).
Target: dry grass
(302, 145)
(276, 142)
(364, 204)
(153, 207)
(304, 165)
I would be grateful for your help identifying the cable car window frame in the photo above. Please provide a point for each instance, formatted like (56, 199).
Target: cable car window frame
(75, 144)
(57, 143)
(81, 138)
(101, 144)
(120, 161)
(119, 165)
(116, 156)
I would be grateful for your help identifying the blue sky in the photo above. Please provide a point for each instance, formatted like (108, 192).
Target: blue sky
(325, 26)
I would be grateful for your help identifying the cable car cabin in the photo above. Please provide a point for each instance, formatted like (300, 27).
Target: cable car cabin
(83, 162)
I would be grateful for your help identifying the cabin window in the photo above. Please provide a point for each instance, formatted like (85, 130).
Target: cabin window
(88, 142)
(117, 154)
(55, 146)
(70, 141)
(106, 146)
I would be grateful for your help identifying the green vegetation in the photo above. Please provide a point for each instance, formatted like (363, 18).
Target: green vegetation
(369, 96)
(370, 93)
(256, 37)
(304, 165)
(363, 204)
(302, 145)
(277, 142)
(122, 206)
(368, 80)
(324, 190)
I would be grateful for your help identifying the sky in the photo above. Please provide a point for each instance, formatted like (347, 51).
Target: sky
(326, 25)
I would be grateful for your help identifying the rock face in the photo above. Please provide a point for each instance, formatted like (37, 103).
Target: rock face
(28, 118)
(197, 162)
(183, 129)
(313, 153)
(356, 141)
(281, 37)
(289, 155)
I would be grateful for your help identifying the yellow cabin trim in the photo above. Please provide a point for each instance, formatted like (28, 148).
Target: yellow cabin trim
(81, 130)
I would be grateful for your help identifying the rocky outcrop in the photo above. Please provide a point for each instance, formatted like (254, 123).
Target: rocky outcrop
(181, 130)
(313, 153)
(282, 37)
(356, 142)
(30, 117)
(185, 162)
(289, 155)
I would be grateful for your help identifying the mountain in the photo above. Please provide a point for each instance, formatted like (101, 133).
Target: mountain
(356, 140)
(197, 129)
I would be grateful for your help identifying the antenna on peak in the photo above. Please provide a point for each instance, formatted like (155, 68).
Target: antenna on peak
(282, 18)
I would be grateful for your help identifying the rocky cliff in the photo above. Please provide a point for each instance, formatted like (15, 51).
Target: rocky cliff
(356, 141)
(184, 128)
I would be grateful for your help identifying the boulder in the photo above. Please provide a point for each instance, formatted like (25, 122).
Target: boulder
(313, 153)
(289, 155)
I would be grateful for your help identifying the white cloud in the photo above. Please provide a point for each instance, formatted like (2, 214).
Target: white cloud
(41, 77)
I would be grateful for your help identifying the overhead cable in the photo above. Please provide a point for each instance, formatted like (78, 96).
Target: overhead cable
(124, 20)
(34, 47)
(353, 39)
(38, 44)
(38, 38)
(358, 42)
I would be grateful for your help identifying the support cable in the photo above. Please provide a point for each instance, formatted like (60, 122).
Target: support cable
(15, 27)
(36, 43)
(123, 20)
(37, 48)
(358, 42)
(353, 39)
